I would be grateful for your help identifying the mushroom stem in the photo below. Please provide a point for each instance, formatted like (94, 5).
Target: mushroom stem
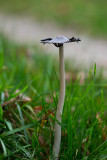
(57, 134)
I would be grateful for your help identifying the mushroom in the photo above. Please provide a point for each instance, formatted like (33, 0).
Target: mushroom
(58, 42)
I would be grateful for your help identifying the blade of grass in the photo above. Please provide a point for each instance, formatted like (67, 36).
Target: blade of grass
(4, 147)
(17, 130)
(25, 151)
(1, 56)
(9, 125)
(86, 91)
(2, 97)
(94, 69)
(23, 90)
(22, 122)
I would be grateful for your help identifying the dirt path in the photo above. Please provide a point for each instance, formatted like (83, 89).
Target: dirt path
(28, 31)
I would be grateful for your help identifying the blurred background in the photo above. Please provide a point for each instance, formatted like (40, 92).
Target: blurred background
(29, 79)
(26, 22)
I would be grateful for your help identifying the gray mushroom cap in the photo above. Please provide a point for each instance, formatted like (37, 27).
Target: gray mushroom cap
(59, 40)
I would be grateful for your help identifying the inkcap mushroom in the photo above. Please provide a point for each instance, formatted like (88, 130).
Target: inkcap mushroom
(59, 42)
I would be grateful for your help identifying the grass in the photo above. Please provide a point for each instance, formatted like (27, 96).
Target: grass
(84, 15)
(29, 88)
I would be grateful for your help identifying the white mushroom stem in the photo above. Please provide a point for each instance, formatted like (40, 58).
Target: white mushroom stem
(57, 134)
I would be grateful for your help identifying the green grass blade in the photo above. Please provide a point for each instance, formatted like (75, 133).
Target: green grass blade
(4, 147)
(1, 101)
(94, 69)
(22, 122)
(26, 152)
(2, 97)
(87, 90)
(23, 90)
(9, 125)
(1, 56)
(17, 130)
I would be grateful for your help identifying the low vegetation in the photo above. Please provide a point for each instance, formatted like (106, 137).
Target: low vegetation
(29, 88)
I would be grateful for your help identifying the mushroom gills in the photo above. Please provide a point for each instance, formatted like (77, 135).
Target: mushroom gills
(58, 44)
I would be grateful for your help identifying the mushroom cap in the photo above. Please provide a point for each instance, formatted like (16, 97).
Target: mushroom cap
(58, 39)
